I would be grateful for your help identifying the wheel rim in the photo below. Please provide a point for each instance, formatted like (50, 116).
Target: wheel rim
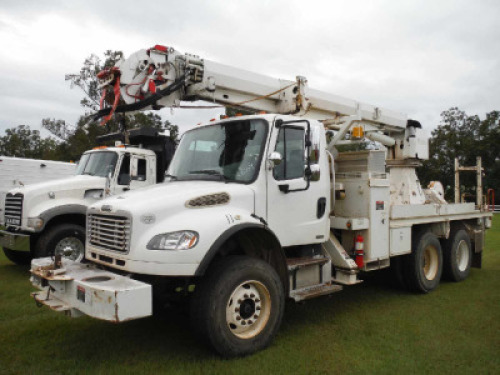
(248, 309)
(462, 256)
(70, 248)
(431, 262)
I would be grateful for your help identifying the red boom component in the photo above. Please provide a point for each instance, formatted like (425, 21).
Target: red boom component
(104, 74)
(161, 48)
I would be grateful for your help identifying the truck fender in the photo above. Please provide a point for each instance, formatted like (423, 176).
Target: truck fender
(62, 210)
(279, 255)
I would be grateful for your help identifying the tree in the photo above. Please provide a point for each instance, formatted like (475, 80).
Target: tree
(87, 78)
(465, 137)
(23, 142)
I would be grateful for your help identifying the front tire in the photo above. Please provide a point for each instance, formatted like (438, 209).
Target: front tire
(21, 258)
(65, 239)
(424, 264)
(239, 305)
(457, 256)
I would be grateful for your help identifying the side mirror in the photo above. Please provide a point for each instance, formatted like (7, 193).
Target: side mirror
(275, 158)
(315, 172)
(124, 179)
(107, 189)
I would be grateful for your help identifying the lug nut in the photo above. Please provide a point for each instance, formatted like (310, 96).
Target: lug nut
(243, 323)
(238, 317)
(246, 296)
(257, 308)
(252, 295)
(240, 301)
(257, 300)
(237, 309)
(250, 322)
(255, 316)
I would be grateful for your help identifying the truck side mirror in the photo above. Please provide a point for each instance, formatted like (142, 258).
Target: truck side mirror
(275, 158)
(124, 179)
(315, 172)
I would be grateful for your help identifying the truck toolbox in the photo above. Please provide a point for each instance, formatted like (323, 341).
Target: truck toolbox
(78, 289)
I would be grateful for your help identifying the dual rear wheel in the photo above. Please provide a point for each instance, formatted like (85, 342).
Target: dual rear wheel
(421, 270)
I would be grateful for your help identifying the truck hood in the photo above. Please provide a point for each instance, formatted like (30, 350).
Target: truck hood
(174, 196)
(79, 182)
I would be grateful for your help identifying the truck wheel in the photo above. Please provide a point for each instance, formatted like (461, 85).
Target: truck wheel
(18, 257)
(457, 256)
(238, 306)
(65, 239)
(425, 263)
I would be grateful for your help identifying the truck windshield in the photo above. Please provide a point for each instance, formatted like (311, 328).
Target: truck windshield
(230, 151)
(97, 163)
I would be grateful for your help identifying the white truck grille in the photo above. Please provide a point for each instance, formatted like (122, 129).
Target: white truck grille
(13, 209)
(109, 232)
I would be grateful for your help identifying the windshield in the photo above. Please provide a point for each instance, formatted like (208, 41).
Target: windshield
(228, 152)
(97, 163)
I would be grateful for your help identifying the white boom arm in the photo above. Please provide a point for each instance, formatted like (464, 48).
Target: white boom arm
(162, 77)
(147, 72)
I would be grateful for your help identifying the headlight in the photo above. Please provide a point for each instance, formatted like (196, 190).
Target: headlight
(182, 240)
(35, 222)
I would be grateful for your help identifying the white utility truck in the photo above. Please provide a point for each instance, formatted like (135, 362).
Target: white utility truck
(258, 209)
(49, 218)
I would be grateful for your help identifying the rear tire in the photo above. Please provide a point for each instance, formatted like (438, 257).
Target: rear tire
(425, 263)
(457, 256)
(239, 305)
(21, 258)
(61, 239)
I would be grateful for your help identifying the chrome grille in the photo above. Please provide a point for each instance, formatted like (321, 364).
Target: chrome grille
(109, 232)
(13, 209)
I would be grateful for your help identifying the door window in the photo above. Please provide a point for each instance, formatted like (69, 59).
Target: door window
(124, 175)
(141, 169)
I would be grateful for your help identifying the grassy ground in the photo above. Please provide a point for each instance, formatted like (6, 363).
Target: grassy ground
(370, 328)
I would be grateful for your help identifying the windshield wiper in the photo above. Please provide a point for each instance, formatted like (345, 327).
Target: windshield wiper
(210, 172)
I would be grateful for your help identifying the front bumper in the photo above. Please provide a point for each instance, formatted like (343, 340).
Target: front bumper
(14, 241)
(79, 288)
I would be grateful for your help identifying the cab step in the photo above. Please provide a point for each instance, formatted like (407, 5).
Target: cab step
(296, 263)
(314, 291)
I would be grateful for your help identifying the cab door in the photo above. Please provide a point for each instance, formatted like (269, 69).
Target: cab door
(139, 172)
(297, 198)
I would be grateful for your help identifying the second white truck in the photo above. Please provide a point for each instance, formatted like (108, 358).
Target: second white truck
(48, 218)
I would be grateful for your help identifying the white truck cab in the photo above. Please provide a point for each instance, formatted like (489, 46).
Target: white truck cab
(220, 182)
(49, 218)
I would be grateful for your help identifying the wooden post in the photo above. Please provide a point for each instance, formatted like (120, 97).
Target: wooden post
(479, 187)
(457, 182)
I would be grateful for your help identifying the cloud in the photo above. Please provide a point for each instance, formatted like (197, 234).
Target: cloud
(416, 57)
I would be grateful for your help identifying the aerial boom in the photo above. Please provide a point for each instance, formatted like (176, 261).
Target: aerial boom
(147, 72)
(163, 77)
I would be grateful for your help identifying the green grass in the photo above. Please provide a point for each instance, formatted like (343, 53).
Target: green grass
(369, 328)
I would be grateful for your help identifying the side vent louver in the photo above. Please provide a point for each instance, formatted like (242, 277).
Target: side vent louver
(208, 200)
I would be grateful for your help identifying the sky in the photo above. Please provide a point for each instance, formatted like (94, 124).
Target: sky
(416, 57)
